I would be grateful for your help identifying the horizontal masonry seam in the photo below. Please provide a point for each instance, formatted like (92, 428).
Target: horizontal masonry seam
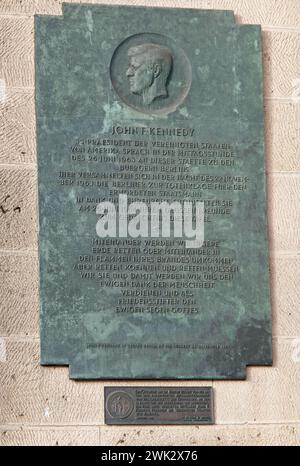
(283, 100)
(28, 426)
(10, 166)
(266, 27)
(19, 252)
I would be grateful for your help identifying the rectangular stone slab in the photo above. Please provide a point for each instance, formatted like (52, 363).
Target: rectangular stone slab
(150, 307)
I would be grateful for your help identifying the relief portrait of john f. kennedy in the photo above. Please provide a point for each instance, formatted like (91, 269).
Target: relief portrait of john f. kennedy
(149, 70)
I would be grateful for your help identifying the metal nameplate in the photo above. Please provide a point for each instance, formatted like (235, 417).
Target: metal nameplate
(158, 405)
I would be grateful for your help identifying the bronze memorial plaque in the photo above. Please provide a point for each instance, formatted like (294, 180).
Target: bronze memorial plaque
(152, 199)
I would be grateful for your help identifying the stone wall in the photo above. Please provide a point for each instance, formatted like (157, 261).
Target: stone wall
(40, 405)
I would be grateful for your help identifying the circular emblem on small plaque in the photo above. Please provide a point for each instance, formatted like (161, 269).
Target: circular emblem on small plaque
(151, 73)
(119, 405)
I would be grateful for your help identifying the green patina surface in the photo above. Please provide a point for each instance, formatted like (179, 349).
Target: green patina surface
(82, 92)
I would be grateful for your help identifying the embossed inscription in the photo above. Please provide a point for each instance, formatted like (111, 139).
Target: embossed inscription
(155, 276)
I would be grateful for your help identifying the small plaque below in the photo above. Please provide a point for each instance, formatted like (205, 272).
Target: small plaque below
(158, 405)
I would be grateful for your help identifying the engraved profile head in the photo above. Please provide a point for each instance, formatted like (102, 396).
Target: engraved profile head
(149, 70)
